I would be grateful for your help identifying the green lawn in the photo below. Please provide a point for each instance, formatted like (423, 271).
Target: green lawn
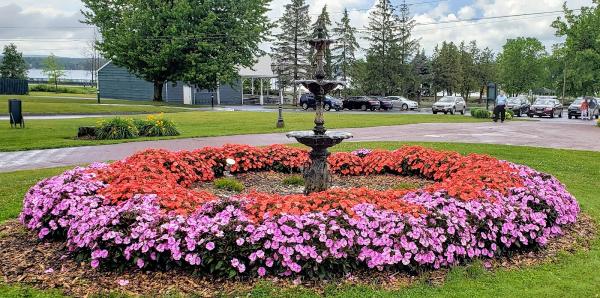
(572, 275)
(40, 134)
(77, 104)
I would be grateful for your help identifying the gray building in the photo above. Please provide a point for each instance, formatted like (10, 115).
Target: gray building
(115, 82)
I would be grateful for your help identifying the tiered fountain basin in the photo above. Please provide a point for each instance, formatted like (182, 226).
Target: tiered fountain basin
(151, 211)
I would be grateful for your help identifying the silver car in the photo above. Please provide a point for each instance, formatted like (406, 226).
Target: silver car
(402, 103)
(450, 104)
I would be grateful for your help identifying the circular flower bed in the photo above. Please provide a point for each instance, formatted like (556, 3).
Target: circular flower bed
(145, 211)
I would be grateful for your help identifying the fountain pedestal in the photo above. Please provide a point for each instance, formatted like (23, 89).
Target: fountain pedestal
(316, 173)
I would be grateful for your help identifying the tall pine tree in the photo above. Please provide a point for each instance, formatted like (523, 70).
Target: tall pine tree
(13, 65)
(382, 55)
(323, 21)
(345, 48)
(407, 47)
(290, 49)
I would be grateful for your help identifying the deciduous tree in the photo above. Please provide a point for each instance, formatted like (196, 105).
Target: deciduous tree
(199, 42)
(53, 70)
(581, 49)
(520, 64)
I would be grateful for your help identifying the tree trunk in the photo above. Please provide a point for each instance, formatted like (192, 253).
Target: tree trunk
(481, 94)
(158, 87)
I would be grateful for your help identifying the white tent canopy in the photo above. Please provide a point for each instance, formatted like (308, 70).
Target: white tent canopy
(262, 71)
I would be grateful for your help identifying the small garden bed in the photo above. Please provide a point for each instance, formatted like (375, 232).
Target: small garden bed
(159, 211)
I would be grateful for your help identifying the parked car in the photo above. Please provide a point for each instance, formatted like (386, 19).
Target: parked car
(403, 103)
(384, 104)
(519, 105)
(575, 107)
(546, 106)
(307, 100)
(361, 103)
(450, 104)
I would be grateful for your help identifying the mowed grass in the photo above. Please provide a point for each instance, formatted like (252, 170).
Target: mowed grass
(571, 275)
(72, 104)
(41, 134)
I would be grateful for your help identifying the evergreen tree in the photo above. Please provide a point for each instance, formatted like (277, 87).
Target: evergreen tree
(13, 65)
(407, 47)
(467, 79)
(421, 75)
(323, 21)
(446, 68)
(382, 55)
(344, 50)
(290, 49)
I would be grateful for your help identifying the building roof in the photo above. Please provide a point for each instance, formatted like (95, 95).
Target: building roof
(262, 69)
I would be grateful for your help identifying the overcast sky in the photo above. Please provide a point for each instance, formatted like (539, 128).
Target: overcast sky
(40, 27)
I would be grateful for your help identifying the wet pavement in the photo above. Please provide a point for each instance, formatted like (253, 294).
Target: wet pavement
(550, 133)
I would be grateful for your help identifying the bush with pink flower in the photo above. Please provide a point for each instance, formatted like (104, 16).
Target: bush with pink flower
(221, 236)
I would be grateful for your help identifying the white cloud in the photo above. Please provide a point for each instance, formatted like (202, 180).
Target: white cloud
(52, 17)
(492, 33)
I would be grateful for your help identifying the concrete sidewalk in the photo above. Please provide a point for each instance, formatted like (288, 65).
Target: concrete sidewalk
(522, 133)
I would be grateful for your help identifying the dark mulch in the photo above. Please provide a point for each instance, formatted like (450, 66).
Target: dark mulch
(47, 265)
(273, 182)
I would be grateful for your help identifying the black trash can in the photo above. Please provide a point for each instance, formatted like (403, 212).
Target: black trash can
(15, 111)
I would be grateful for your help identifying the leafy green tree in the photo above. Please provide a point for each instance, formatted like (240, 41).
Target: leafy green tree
(345, 48)
(53, 70)
(290, 48)
(226, 36)
(200, 42)
(446, 68)
(485, 70)
(520, 64)
(13, 65)
(323, 21)
(581, 49)
(382, 58)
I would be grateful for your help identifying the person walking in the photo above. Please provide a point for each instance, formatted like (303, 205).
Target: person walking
(585, 110)
(500, 109)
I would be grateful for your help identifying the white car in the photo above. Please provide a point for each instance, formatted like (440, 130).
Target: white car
(450, 104)
(403, 103)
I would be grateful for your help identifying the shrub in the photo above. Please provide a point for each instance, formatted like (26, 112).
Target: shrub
(481, 113)
(156, 126)
(598, 122)
(485, 114)
(293, 180)
(229, 184)
(406, 185)
(116, 129)
(63, 89)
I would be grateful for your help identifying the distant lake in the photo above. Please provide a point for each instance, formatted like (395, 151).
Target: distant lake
(69, 74)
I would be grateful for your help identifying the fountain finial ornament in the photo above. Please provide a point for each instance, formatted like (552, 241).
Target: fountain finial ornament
(316, 174)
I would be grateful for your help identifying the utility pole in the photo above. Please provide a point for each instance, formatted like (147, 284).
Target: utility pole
(564, 80)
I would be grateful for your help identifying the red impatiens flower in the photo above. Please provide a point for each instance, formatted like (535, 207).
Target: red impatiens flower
(171, 176)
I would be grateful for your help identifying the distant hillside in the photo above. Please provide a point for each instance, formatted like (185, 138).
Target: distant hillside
(66, 62)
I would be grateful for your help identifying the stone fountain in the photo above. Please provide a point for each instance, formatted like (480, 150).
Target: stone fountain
(316, 174)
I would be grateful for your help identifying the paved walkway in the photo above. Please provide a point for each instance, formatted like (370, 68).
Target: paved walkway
(525, 133)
